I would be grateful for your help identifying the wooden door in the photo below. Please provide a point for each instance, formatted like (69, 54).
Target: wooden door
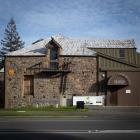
(28, 85)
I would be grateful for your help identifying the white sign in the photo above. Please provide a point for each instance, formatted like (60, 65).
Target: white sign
(128, 91)
(89, 100)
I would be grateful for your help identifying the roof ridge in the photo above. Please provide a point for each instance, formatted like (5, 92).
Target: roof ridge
(128, 43)
(71, 45)
(91, 39)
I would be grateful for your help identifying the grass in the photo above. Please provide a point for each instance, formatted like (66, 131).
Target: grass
(46, 108)
(43, 111)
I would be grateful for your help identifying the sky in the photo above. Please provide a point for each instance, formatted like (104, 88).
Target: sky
(96, 19)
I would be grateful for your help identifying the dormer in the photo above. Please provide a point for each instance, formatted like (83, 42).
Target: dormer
(54, 50)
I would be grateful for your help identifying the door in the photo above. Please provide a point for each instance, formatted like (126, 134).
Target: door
(113, 95)
(28, 85)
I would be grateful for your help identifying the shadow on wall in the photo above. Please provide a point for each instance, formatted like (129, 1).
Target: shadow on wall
(103, 85)
(45, 75)
(51, 75)
(93, 88)
(62, 76)
(100, 86)
(63, 83)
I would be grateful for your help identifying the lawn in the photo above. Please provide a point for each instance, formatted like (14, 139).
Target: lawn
(43, 111)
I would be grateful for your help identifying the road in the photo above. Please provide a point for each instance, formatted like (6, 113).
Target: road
(68, 129)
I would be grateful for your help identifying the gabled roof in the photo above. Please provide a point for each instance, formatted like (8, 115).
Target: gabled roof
(72, 46)
(65, 41)
(31, 50)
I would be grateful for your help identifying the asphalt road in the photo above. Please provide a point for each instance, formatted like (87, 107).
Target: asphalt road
(68, 129)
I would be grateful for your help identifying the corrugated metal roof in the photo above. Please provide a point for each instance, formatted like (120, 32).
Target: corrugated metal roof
(73, 46)
(95, 43)
(31, 50)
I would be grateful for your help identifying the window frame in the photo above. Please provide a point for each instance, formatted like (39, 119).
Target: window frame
(122, 53)
(53, 64)
(31, 85)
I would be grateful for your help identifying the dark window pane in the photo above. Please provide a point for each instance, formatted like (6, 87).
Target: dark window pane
(122, 53)
(53, 53)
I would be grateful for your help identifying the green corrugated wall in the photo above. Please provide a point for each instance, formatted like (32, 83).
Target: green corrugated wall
(131, 56)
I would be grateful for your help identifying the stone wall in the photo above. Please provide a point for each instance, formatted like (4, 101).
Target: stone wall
(1, 89)
(82, 78)
(48, 86)
(14, 81)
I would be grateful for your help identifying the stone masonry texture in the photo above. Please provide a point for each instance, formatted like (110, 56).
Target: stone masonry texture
(48, 85)
(1, 89)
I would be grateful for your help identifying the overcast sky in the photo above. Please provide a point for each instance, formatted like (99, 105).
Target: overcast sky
(97, 19)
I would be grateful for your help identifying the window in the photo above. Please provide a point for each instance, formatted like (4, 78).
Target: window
(54, 58)
(122, 53)
(28, 85)
(54, 53)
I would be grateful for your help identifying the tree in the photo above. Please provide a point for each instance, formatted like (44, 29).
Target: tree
(1, 60)
(12, 40)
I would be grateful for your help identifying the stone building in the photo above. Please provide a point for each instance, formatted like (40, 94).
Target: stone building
(2, 87)
(51, 71)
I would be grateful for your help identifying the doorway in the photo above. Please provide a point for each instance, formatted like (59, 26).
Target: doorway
(113, 96)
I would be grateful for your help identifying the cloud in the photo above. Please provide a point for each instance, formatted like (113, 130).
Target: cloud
(93, 18)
